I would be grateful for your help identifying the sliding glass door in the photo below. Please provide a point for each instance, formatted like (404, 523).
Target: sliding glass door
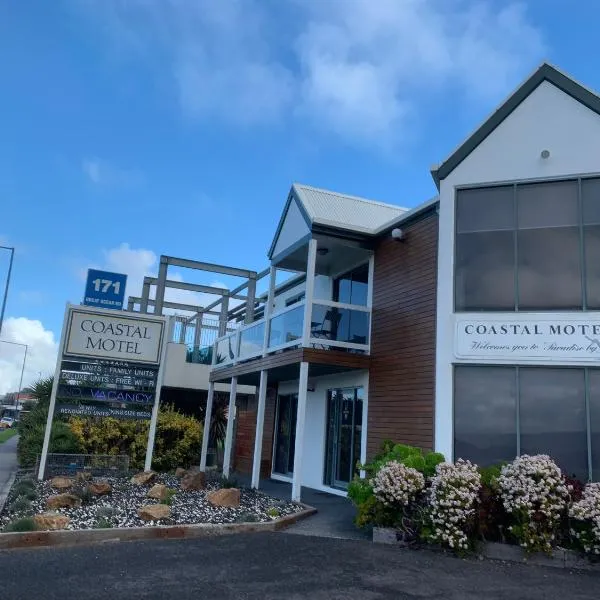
(344, 431)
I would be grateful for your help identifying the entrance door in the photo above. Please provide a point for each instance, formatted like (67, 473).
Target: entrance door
(344, 430)
(285, 434)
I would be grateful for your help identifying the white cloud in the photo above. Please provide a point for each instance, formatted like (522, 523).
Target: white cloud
(102, 172)
(356, 68)
(42, 349)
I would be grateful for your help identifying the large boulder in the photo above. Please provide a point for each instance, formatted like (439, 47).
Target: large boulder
(158, 491)
(180, 472)
(193, 481)
(83, 476)
(61, 483)
(154, 512)
(226, 497)
(51, 520)
(100, 488)
(143, 478)
(63, 501)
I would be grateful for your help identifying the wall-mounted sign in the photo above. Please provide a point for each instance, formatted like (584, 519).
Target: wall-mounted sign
(102, 335)
(82, 410)
(527, 337)
(105, 395)
(104, 289)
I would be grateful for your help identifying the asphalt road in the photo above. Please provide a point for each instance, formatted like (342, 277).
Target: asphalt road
(273, 566)
(8, 460)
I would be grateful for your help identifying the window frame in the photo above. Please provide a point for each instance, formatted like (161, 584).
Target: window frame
(580, 224)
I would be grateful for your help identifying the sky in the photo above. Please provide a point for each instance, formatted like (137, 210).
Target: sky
(135, 128)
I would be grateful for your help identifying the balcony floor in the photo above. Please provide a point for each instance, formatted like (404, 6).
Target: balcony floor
(285, 365)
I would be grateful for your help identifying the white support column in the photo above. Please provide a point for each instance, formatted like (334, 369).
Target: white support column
(230, 423)
(300, 422)
(269, 306)
(260, 422)
(309, 290)
(207, 419)
(161, 285)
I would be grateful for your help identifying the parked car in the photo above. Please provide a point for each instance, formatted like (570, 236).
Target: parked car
(6, 422)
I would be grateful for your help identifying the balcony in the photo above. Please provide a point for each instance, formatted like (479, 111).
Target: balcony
(333, 325)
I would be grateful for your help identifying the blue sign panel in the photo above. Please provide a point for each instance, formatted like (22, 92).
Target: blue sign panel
(104, 289)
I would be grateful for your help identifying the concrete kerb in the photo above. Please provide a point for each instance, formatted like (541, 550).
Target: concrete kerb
(9, 541)
(6, 490)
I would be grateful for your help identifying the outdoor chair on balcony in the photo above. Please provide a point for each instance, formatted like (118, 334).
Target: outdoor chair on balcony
(328, 328)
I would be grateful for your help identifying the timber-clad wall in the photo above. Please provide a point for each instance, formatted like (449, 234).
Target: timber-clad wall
(402, 373)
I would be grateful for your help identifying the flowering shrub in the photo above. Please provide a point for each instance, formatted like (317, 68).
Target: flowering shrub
(585, 515)
(535, 496)
(452, 499)
(397, 485)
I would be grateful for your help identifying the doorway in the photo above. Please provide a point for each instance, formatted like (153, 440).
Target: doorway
(285, 434)
(344, 433)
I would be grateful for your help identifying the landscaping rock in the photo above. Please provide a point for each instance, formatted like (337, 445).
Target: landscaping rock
(158, 491)
(154, 512)
(51, 520)
(100, 488)
(61, 483)
(143, 478)
(193, 481)
(180, 472)
(83, 476)
(63, 501)
(228, 497)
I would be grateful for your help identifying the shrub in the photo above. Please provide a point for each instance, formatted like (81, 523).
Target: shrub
(409, 456)
(360, 490)
(585, 520)
(177, 444)
(26, 489)
(452, 501)
(20, 505)
(397, 485)
(273, 512)
(25, 524)
(228, 482)
(535, 497)
(103, 523)
(83, 492)
(31, 439)
(168, 499)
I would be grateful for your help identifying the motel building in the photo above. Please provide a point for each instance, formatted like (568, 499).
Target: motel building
(468, 325)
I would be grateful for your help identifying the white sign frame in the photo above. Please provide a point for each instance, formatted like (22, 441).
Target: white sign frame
(62, 356)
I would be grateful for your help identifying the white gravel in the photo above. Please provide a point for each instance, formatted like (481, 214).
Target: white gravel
(187, 507)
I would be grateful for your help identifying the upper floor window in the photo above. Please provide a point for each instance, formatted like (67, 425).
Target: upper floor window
(352, 287)
(528, 247)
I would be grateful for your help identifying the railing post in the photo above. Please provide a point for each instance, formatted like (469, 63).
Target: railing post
(250, 298)
(309, 290)
(269, 307)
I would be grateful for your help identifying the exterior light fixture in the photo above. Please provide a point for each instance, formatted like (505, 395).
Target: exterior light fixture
(398, 234)
(545, 154)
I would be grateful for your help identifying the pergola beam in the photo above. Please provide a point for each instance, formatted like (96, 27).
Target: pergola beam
(192, 287)
(204, 266)
(133, 300)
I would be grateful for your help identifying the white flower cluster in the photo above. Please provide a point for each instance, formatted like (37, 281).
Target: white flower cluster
(587, 512)
(397, 485)
(533, 492)
(454, 491)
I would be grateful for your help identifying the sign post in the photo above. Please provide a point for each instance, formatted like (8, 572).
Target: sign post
(113, 360)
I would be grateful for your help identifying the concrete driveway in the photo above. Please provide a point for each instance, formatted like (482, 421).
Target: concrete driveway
(273, 566)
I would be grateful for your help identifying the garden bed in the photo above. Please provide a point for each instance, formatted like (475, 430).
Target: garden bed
(119, 508)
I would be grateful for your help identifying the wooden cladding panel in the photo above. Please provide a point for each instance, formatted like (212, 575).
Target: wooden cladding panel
(402, 372)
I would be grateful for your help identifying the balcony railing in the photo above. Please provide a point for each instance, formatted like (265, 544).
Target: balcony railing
(332, 325)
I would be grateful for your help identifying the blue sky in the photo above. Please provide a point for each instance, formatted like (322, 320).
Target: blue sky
(148, 127)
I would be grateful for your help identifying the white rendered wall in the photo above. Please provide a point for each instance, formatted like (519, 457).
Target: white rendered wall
(294, 228)
(547, 120)
(316, 420)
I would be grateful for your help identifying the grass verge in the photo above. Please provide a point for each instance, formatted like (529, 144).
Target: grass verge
(6, 434)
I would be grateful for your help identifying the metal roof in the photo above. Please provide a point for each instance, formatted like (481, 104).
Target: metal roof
(545, 72)
(345, 212)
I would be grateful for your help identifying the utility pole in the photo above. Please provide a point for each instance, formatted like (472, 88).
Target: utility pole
(10, 264)
(22, 368)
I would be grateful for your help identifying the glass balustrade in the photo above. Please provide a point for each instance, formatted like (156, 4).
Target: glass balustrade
(252, 339)
(286, 327)
(337, 324)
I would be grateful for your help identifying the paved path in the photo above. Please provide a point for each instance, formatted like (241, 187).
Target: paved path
(272, 566)
(8, 460)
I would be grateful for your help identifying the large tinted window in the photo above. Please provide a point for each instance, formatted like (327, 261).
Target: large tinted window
(521, 247)
(485, 414)
(351, 288)
(594, 400)
(485, 249)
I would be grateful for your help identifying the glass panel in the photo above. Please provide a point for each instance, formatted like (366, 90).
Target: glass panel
(590, 196)
(553, 418)
(352, 287)
(592, 264)
(549, 267)
(252, 340)
(594, 399)
(286, 327)
(485, 209)
(344, 467)
(225, 349)
(358, 415)
(485, 264)
(485, 414)
(340, 324)
(551, 204)
(287, 407)
(201, 355)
